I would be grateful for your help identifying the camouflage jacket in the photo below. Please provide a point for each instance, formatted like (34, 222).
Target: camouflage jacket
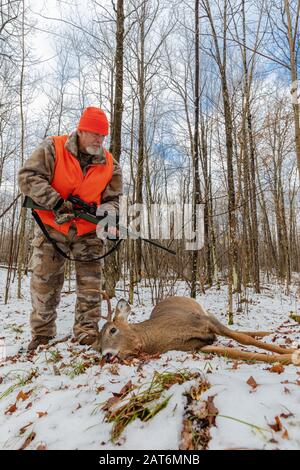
(35, 177)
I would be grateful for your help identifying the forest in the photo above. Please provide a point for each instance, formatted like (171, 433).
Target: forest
(203, 101)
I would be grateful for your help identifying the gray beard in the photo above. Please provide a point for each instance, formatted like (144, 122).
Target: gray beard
(93, 151)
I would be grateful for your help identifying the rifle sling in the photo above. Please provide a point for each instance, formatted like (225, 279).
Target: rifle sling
(61, 252)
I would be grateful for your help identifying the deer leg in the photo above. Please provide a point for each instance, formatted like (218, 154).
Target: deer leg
(249, 341)
(233, 353)
(253, 334)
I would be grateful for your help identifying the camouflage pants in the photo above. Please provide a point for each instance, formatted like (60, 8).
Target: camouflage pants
(47, 280)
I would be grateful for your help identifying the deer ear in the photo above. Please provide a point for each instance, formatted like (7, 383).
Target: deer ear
(123, 309)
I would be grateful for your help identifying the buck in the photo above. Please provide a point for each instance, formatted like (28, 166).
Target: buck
(180, 323)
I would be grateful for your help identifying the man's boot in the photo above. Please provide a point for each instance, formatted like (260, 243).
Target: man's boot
(36, 341)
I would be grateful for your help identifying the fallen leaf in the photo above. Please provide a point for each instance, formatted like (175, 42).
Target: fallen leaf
(41, 413)
(251, 382)
(286, 390)
(285, 434)
(23, 429)
(27, 441)
(117, 396)
(114, 369)
(276, 369)
(41, 446)
(285, 416)
(28, 406)
(124, 390)
(102, 362)
(100, 389)
(111, 401)
(187, 436)
(23, 395)
(235, 365)
(11, 409)
(212, 411)
(277, 426)
(56, 370)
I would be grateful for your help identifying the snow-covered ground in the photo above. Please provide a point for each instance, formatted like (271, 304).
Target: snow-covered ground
(55, 399)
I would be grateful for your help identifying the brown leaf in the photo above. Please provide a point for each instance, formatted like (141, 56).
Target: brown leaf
(235, 365)
(212, 411)
(285, 435)
(276, 369)
(187, 436)
(114, 369)
(23, 395)
(28, 406)
(56, 370)
(78, 406)
(102, 362)
(251, 382)
(117, 396)
(111, 401)
(23, 429)
(277, 426)
(285, 416)
(100, 389)
(27, 441)
(11, 409)
(124, 390)
(41, 446)
(41, 413)
(286, 390)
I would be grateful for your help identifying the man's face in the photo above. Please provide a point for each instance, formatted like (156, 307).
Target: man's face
(90, 142)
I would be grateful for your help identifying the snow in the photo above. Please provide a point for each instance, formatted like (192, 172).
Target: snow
(65, 411)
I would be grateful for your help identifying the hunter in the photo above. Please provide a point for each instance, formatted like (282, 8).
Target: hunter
(75, 164)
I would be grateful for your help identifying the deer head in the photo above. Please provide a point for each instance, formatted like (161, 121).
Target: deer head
(117, 337)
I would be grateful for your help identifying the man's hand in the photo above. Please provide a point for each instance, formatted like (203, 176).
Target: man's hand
(104, 229)
(64, 213)
(112, 233)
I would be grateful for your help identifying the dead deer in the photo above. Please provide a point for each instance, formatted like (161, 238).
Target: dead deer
(180, 323)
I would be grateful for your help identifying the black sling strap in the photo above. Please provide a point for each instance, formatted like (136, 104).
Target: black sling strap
(61, 252)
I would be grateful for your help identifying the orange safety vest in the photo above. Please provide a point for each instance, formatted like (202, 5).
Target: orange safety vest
(69, 179)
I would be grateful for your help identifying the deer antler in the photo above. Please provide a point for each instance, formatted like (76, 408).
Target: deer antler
(106, 297)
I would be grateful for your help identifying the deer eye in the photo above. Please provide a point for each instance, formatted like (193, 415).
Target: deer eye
(113, 331)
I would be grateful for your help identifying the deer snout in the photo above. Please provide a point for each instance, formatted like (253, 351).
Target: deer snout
(107, 357)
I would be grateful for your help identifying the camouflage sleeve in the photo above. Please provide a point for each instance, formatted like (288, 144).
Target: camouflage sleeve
(114, 189)
(35, 177)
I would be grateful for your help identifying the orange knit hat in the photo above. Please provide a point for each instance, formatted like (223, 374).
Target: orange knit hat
(93, 120)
